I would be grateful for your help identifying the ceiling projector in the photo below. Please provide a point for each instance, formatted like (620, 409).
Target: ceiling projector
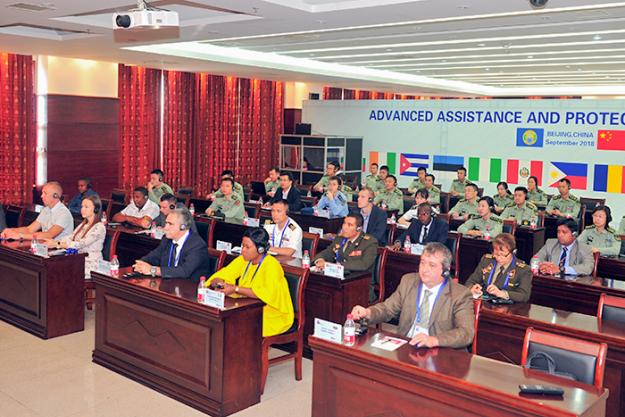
(145, 19)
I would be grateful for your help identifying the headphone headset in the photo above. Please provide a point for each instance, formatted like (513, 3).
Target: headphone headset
(172, 206)
(608, 213)
(370, 199)
(55, 195)
(260, 238)
(183, 226)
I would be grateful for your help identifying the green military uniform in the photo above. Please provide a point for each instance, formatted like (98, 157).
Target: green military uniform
(232, 208)
(415, 185)
(323, 182)
(537, 197)
(358, 255)
(236, 188)
(157, 192)
(458, 186)
(519, 286)
(494, 225)
(394, 199)
(348, 191)
(374, 182)
(272, 186)
(621, 227)
(569, 207)
(434, 195)
(464, 206)
(502, 202)
(608, 242)
(522, 215)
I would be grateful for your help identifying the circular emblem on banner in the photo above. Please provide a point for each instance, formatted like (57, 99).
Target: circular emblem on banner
(530, 137)
(524, 173)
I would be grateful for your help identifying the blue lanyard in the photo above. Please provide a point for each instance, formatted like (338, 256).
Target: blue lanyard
(247, 267)
(273, 235)
(440, 291)
(492, 271)
(171, 252)
(336, 254)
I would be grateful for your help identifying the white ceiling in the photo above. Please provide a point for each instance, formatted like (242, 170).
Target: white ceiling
(490, 47)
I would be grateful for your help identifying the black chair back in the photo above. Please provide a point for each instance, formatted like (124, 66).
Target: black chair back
(577, 364)
(118, 196)
(14, 216)
(613, 313)
(110, 244)
(408, 203)
(199, 204)
(215, 260)
(310, 241)
(252, 210)
(116, 207)
(202, 230)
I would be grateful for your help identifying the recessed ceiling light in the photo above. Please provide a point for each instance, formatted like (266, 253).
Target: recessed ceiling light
(486, 69)
(481, 44)
(597, 38)
(530, 57)
(389, 49)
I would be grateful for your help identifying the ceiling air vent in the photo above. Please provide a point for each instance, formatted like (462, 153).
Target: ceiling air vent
(33, 7)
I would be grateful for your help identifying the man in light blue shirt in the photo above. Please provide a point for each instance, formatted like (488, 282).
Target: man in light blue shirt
(565, 254)
(334, 200)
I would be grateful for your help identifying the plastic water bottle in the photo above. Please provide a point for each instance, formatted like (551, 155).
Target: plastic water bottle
(33, 245)
(393, 219)
(487, 233)
(534, 264)
(349, 331)
(200, 290)
(316, 211)
(192, 209)
(533, 222)
(384, 204)
(407, 244)
(115, 267)
(306, 260)
(309, 194)
(153, 230)
(104, 220)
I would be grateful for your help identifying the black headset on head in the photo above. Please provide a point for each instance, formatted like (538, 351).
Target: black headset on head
(608, 213)
(259, 237)
(490, 202)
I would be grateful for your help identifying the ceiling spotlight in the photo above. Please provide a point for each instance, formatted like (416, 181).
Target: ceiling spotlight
(538, 4)
(596, 38)
(530, 57)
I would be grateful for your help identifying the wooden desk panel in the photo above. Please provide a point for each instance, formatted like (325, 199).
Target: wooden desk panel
(44, 296)
(328, 225)
(153, 331)
(365, 381)
(502, 329)
(613, 268)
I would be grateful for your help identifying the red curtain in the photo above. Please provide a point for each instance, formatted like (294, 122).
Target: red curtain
(349, 94)
(261, 110)
(216, 129)
(178, 127)
(17, 128)
(139, 91)
(363, 95)
(332, 93)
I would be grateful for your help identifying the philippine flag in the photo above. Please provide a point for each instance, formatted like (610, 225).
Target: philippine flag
(410, 162)
(575, 172)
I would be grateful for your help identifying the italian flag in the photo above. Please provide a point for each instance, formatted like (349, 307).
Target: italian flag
(520, 171)
(385, 158)
(485, 170)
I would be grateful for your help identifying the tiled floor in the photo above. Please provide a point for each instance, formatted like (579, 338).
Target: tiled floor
(56, 378)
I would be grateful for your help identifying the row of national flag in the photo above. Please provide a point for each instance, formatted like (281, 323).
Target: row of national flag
(607, 178)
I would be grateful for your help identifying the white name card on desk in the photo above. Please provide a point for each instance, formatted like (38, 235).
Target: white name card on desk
(323, 213)
(416, 248)
(251, 222)
(41, 250)
(104, 267)
(334, 270)
(326, 330)
(316, 230)
(213, 298)
(224, 246)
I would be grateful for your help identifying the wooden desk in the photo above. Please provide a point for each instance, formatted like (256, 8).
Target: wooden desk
(307, 220)
(502, 328)
(132, 246)
(154, 332)
(365, 381)
(44, 296)
(577, 294)
(613, 268)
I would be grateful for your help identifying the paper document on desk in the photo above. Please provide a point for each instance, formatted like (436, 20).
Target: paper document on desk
(388, 343)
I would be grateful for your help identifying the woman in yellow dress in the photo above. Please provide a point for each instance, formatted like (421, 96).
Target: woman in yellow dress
(257, 274)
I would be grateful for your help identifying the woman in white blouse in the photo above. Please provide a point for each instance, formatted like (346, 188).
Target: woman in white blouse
(89, 236)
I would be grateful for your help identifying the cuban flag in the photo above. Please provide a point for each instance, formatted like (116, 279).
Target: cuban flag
(410, 162)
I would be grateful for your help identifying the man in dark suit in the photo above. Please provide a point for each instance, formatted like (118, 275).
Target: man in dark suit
(425, 230)
(181, 254)
(374, 217)
(287, 192)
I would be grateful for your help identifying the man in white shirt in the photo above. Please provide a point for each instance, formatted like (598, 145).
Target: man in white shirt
(141, 210)
(55, 220)
(285, 235)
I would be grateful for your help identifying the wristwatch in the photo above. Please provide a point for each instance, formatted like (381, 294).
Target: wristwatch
(236, 289)
(153, 271)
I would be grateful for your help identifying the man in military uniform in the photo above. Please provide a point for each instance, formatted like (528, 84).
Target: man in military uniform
(230, 204)
(156, 187)
(467, 205)
(565, 204)
(236, 188)
(501, 274)
(484, 221)
(285, 235)
(331, 170)
(458, 185)
(418, 182)
(391, 198)
(352, 248)
(434, 193)
(272, 182)
(373, 180)
(600, 237)
(521, 210)
(383, 175)
(621, 227)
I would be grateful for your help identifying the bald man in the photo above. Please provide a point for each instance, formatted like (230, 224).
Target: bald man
(54, 222)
